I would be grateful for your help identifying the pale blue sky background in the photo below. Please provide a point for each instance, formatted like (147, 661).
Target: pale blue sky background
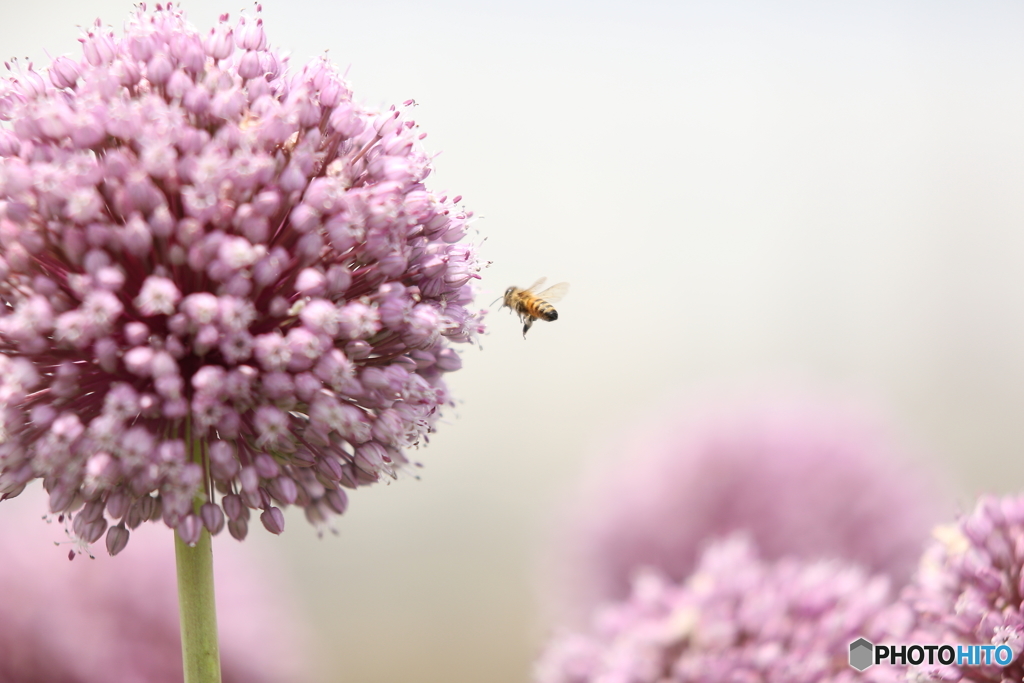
(743, 195)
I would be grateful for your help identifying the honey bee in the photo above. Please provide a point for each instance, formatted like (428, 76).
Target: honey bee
(531, 305)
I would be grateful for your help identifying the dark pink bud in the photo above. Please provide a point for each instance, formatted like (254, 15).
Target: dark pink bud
(348, 476)
(94, 530)
(234, 508)
(78, 526)
(238, 528)
(151, 507)
(249, 478)
(273, 520)
(190, 528)
(134, 517)
(252, 499)
(329, 467)
(433, 266)
(223, 464)
(266, 466)
(370, 457)
(365, 478)
(213, 518)
(337, 500)
(303, 458)
(117, 504)
(393, 265)
(92, 511)
(283, 490)
(117, 539)
(62, 498)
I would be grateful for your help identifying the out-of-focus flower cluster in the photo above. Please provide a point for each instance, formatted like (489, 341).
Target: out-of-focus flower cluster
(207, 261)
(969, 590)
(737, 618)
(106, 619)
(802, 478)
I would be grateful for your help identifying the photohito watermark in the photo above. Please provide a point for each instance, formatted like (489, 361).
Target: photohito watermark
(864, 653)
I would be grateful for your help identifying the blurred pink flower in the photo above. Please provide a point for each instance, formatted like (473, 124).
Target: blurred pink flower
(802, 479)
(967, 591)
(737, 618)
(116, 620)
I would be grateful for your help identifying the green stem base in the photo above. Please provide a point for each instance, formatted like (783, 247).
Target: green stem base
(199, 651)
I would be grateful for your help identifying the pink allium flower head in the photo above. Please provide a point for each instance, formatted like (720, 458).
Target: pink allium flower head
(104, 620)
(737, 618)
(968, 590)
(802, 479)
(206, 260)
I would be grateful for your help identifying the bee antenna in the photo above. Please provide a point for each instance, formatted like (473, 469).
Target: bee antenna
(495, 301)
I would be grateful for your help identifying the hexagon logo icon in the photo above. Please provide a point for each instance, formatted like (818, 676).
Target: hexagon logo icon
(860, 653)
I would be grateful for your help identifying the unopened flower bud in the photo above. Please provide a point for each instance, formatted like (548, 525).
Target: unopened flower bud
(273, 520)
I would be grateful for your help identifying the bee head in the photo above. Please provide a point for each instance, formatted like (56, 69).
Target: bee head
(504, 299)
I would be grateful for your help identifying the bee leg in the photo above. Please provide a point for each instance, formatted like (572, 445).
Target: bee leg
(528, 322)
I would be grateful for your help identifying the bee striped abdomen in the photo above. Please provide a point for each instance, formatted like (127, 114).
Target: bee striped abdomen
(538, 308)
(546, 311)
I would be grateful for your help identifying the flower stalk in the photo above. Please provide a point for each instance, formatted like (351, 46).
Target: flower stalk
(199, 650)
(197, 606)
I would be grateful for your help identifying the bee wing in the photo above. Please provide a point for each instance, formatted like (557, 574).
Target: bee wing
(554, 292)
(535, 285)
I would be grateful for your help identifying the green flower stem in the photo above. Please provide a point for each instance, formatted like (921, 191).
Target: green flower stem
(199, 651)
(197, 608)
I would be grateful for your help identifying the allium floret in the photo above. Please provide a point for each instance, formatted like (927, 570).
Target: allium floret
(217, 278)
(968, 590)
(736, 618)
